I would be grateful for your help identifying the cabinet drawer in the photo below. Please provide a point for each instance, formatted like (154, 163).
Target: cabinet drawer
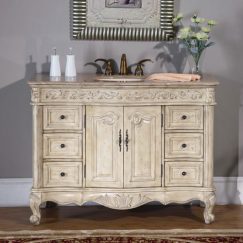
(184, 117)
(62, 175)
(183, 173)
(183, 145)
(60, 145)
(62, 117)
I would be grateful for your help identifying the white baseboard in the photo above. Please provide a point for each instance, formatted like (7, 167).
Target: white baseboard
(229, 190)
(14, 192)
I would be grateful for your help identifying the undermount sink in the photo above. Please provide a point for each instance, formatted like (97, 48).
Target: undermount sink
(120, 78)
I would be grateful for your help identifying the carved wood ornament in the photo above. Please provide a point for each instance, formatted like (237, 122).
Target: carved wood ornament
(155, 95)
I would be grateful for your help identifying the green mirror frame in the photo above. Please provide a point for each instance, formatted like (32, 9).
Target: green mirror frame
(80, 30)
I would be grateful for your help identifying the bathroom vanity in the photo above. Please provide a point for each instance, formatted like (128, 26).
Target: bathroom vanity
(122, 144)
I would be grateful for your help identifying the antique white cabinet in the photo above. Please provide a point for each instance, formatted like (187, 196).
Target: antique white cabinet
(122, 144)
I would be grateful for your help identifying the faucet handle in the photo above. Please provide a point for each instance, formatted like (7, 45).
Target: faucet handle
(108, 68)
(139, 69)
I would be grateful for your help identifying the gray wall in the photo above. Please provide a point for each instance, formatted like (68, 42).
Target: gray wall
(30, 28)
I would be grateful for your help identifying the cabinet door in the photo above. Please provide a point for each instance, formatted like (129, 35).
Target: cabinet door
(142, 146)
(104, 152)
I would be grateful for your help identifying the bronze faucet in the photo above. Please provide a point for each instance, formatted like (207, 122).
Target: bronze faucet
(123, 65)
(139, 69)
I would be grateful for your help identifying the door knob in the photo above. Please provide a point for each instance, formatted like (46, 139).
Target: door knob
(62, 174)
(184, 145)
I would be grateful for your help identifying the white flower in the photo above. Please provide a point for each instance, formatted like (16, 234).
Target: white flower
(202, 36)
(193, 35)
(212, 22)
(197, 20)
(183, 35)
(185, 30)
(206, 29)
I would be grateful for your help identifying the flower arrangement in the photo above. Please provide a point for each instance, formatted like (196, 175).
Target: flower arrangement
(195, 37)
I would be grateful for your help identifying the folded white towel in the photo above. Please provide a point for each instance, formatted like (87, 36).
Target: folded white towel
(177, 77)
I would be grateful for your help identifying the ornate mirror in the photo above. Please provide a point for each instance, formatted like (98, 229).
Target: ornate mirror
(135, 20)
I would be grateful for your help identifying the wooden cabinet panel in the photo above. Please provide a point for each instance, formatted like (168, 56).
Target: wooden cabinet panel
(183, 174)
(183, 117)
(183, 145)
(142, 148)
(62, 145)
(104, 155)
(60, 174)
(62, 117)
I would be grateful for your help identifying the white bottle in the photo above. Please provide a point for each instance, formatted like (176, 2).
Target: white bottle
(70, 70)
(55, 70)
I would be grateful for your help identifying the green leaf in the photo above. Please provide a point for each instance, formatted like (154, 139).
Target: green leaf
(209, 44)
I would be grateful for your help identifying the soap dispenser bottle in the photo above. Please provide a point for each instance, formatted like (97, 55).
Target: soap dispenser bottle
(70, 70)
(55, 70)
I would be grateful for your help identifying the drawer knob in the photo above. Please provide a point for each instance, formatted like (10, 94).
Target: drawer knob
(184, 117)
(62, 117)
(62, 145)
(184, 173)
(183, 145)
(62, 174)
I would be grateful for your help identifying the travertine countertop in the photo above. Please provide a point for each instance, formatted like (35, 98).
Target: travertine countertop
(87, 80)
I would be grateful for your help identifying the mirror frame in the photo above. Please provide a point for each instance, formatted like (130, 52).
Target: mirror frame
(80, 30)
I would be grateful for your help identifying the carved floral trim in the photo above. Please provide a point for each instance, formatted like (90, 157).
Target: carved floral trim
(35, 95)
(176, 95)
(109, 118)
(122, 200)
(210, 95)
(137, 118)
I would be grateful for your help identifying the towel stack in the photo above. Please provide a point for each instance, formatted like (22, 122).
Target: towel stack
(177, 77)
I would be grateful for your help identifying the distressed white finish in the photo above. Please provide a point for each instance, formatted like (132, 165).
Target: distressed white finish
(62, 145)
(184, 117)
(63, 118)
(183, 145)
(183, 174)
(142, 155)
(62, 174)
(132, 146)
(104, 161)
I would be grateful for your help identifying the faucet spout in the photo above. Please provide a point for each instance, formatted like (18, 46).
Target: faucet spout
(123, 65)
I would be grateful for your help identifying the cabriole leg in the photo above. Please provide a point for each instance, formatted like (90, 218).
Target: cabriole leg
(35, 201)
(209, 205)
